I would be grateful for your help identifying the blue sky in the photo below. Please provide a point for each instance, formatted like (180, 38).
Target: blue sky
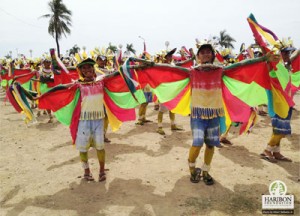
(98, 22)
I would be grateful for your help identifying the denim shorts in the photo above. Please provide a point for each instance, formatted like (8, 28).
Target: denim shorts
(148, 96)
(206, 131)
(282, 125)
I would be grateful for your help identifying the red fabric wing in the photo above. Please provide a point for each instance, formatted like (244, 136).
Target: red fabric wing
(12, 100)
(237, 109)
(5, 77)
(115, 84)
(75, 120)
(55, 100)
(159, 74)
(18, 72)
(25, 78)
(296, 64)
(251, 73)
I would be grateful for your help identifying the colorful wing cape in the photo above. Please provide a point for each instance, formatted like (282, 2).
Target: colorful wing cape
(279, 95)
(295, 76)
(264, 37)
(169, 83)
(62, 75)
(253, 85)
(243, 88)
(66, 75)
(65, 102)
(4, 78)
(219, 57)
(17, 96)
(24, 78)
(119, 101)
(245, 85)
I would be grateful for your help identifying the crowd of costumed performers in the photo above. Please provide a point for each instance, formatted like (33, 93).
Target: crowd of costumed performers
(214, 87)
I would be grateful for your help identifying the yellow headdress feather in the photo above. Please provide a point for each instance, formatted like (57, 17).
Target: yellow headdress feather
(226, 52)
(78, 57)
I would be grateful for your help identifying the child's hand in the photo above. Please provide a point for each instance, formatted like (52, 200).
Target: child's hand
(149, 63)
(273, 57)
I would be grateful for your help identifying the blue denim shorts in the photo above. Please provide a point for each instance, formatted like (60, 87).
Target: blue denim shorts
(282, 125)
(206, 131)
(148, 96)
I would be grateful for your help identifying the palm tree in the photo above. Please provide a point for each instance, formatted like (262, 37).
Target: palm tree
(75, 49)
(112, 48)
(225, 40)
(60, 21)
(129, 48)
(8, 56)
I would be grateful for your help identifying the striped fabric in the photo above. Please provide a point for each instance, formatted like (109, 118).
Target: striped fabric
(92, 101)
(207, 93)
(282, 125)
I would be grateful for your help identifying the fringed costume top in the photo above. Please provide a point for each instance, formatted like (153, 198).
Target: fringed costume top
(206, 100)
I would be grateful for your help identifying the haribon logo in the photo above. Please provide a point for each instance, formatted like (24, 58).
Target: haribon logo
(277, 188)
(278, 202)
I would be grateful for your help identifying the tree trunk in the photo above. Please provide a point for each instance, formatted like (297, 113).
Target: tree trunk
(57, 45)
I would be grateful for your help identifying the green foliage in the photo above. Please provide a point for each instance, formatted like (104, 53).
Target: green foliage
(59, 22)
(75, 49)
(113, 48)
(225, 40)
(129, 48)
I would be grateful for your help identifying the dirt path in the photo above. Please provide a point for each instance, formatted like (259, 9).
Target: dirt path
(40, 171)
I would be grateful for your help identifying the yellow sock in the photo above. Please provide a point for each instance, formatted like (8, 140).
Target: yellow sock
(160, 117)
(193, 155)
(208, 154)
(172, 116)
(275, 139)
(83, 156)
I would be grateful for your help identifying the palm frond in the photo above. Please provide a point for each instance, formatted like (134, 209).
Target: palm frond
(60, 20)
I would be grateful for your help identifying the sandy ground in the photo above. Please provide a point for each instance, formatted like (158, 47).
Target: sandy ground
(40, 171)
